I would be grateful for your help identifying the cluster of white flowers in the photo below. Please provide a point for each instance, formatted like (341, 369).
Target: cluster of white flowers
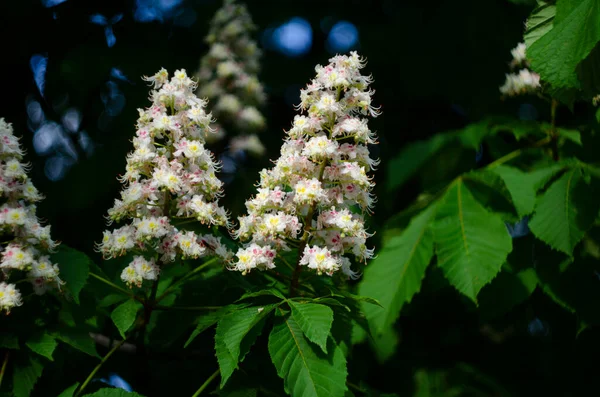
(28, 241)
(315, 196)
(228, 77)
(522, 81)
(169, 177)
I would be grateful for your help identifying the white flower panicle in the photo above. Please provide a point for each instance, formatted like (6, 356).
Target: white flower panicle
(228, 77)
(170, 175)
(315, 196)
(522, 80)
(28, 242)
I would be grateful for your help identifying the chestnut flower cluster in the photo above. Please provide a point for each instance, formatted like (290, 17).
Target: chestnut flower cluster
(314, 197)
(228, 77)
(28, 243)
(524, 81)
(170, 177)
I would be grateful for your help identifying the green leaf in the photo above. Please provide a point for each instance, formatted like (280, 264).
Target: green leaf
(540, 177)
(227, 363)
(505, 292)
(107, 392)
(522, 194)
(25, 375)
(111, 299)
(9, 341)
(315, 321)
(69, 391)
(395, 275)
(125, 314)
(42, 344)
(471, 243)
(202, 324)
(556, 54)
(565, 211)
(305, 369)
(263, 292)
(74, 269)
(77, 339)
(236, 333)
(539, 23)
(571, 135)
(412, 157)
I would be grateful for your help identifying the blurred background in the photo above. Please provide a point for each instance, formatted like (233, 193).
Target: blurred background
(72, 85)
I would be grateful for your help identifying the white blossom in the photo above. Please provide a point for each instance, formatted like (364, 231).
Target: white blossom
(170, 177)
(311, 195)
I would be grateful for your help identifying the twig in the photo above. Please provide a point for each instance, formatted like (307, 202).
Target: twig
(187, 276)
(97, 368)
(4, 364)
(115, 286)
(205, 384)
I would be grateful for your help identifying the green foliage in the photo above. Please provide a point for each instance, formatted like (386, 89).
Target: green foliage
(557, 52)
(315, 321)
(74, 269)
(470, 242)
(396, 274)
(124, 315)
(236, 333)
(305, 369)
(42, 344)
(25, 375)
(566, 211)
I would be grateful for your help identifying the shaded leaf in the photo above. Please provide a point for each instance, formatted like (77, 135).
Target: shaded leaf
(42, 344)
(25, 376)
(471, 243)
(77, 339)
(124, 315)
(395, 275)
(69, 391)
(565, 211)
(523, 194)
(74, 268)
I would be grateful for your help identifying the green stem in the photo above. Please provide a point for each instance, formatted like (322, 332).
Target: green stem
(355, 387)
(4, 365)
(205, 384)
(97, 368)
(516, 153)
(115, 286)
(186, 277)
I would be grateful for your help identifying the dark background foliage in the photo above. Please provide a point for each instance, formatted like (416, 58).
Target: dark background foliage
(437, 66)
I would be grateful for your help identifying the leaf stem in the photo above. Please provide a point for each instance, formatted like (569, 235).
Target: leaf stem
(4, 365)
(516, 153)
(97, 368)
(186, 277)
(206, 383)
(115, 286)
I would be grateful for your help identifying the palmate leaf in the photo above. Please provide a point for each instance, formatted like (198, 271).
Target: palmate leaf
(470, 242)
(305, 369)
(566, 211)
(395, 276)
(236, 333)
(315, 321)
(575, 32)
